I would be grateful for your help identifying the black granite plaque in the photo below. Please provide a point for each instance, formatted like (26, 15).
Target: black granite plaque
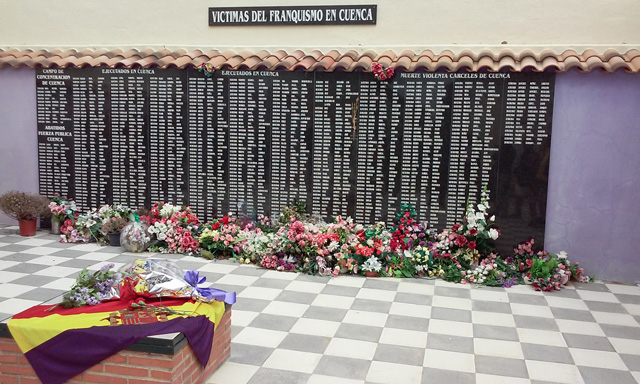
(251, 142)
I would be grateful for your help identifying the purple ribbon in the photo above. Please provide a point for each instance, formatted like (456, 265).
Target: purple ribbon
(193, 278)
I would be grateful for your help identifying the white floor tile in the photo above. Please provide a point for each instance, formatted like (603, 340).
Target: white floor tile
(34, 242)
(57, 271)
(492, 318)
(375, 319)
(260, 337)
(579, 327)
(404, 337)
(484, 294)
(6, 277)
(271, 274)
(232, 373)
(296, 361)
(376, 294)
(537, 336)
(320, 379)
(412, 310)
(598, 359)
(283, 308)
(305, 286)
(217, 268)
(354, 349)
(260, 293)
(333, 301)
(597, 296)
(352, 281)
(97, 256)
(453, 328)
(41, 250)
(531, 310)
(242, 318)
(615, 319)
(498, 348)
(391, 373)
(315, 327)
(4, 264)
(12, 290)
(553, 372)
(625, 346)
(14, 306)
(633, 309)
(563, 302)
(452, 361)
(242, 280)
(63, 283)
(415, 288)
(482, 378)
(451, 302)
(624, 289)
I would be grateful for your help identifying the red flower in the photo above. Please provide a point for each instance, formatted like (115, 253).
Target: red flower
(225, 220)
(473, 232)
(460, 240)
(215, 225)
(455, 227)
(471, 245)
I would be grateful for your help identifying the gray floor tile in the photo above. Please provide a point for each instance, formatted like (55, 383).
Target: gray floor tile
(450, 343)
(412, 298)
(600, 306)
(600, 376)
(451, 314)
(588, 342)
(490, 306)
(77, 263)
(313, 278)
(235, 329)
(230, 288)
(212, 277)
(590, 286)
(296, 297)
(628, 299)
(385, 285)
(14, 248)
(275, 376)
(407, 322)
(572, 314)
(501, 367)
(436, 376)
(371, 305)
(526, 299)
(535, 323)
(359, 332)
(245, 270)
(495, 332)
(305, 343)
(42, 294)
(621, 332)
(324, 313)
(340, 291)
(399, 354)
(343, 367)
(452, 292)
(249, 354)
(68, 253)
(565, 293)
(247, 304)
(271, 283)
(546, 353)
(273, 322)
(28, 268)
(632, 362)
(20, 257)
(34, 280)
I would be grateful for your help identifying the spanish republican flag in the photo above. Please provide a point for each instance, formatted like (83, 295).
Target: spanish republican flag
(61, 343)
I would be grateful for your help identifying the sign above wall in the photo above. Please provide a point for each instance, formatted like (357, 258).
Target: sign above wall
(295, 15)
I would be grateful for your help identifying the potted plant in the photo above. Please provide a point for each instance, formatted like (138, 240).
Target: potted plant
(371, 266)
(61, 209)
(112, 228)
(26, 208)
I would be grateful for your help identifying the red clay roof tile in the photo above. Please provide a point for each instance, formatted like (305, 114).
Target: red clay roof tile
(485, 60)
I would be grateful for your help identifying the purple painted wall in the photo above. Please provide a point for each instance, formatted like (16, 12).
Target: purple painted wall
(593, 207)
(18, 133)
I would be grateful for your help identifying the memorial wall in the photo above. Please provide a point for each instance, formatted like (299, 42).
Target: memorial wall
(345, 143)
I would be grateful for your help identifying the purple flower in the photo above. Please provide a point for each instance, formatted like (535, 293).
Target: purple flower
(106, 267)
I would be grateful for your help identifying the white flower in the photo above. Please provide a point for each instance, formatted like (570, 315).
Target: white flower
(493, 233)
(370, 242)
(481, 207)
(264, 239)
(359, 227)
(492, 218)
(562, 255)
(407, 254)
(480, 216)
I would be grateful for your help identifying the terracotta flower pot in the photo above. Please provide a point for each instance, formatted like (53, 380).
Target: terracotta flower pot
(27, 227)
(371, 274)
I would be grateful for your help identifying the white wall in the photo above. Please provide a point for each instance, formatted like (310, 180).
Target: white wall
(417, 24)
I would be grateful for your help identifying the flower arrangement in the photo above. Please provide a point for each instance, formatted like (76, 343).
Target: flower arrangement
(135, 236)
(381, 73)
(24, 206)
(91, 289)
(113, 225)
(62, 209)
(464, 253)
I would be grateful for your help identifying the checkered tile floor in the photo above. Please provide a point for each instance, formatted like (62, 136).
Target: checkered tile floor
(293, 328)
